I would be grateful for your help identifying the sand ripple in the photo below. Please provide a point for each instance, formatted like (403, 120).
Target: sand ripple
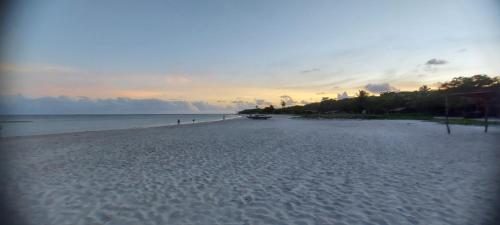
(279, 171)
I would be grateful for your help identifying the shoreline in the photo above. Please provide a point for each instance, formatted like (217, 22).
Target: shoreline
(120, 129)
(288, 116)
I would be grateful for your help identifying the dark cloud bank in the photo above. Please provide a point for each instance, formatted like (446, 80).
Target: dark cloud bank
(436, 62)
(380, 88)
(82, 105)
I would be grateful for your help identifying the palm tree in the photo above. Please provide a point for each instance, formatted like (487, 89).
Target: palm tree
(424, 88)
(362, 96)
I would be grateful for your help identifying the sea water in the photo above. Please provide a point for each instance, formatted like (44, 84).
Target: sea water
(26, 125)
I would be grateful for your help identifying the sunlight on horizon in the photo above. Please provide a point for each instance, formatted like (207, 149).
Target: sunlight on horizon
(234, 55)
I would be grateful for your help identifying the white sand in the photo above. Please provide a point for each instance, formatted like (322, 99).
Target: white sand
(280, 171)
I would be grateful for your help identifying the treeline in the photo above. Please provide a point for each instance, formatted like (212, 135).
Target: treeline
(422, 101)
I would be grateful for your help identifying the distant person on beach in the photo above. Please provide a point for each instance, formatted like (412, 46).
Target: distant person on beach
(223, 116)
(193, 120)
(178, 122)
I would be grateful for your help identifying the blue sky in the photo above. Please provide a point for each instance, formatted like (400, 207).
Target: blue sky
(228, 52)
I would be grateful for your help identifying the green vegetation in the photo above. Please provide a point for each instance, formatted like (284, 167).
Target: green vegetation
(370, 116)
(422, 104)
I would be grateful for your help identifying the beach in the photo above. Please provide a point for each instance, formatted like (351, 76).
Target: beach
(242, 171)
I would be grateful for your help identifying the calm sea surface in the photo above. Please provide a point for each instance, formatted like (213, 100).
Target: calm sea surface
(25, 125)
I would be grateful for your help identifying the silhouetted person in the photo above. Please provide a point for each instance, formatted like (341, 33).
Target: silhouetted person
(193, 120)
(178, 122)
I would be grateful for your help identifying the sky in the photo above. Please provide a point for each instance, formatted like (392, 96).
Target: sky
(222, 56)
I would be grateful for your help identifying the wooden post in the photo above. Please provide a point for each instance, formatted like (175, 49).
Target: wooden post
(446, 112)
(486, 109)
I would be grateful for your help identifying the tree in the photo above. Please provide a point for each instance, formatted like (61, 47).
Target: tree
(422, 101)
(283, 104)
(362, 94)
(470, 83)
(361, 98)
(269, 109)
(424, 88)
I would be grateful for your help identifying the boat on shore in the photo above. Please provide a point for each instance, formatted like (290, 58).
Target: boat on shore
(258, 117)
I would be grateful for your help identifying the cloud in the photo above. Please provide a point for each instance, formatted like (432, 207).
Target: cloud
(262, 102)
(380, 88)
(19, 104)
(462, 50)
(329, 85)
(242, 104)
(38, 69)
(53, 80)
(304, 102)
(288, 100)
(435, 61)
(174, 79)
(343, 96)
(431, 64)
(310, 70)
